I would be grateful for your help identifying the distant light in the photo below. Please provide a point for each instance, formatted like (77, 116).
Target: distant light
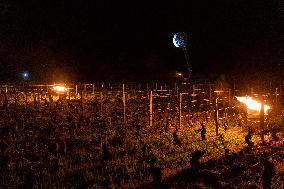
(179, 74)
(180, 39)
(25, 75)
(59, 88)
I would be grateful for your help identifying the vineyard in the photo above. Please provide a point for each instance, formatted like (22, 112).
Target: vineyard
(154, 135)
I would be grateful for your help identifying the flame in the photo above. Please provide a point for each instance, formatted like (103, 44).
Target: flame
(178, 74)
(252, 104)
(59, 88)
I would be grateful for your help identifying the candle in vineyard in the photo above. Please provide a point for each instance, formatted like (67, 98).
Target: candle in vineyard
(252, 104)
(59, 88)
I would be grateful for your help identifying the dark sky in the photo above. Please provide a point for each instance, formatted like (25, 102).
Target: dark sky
(86, 40)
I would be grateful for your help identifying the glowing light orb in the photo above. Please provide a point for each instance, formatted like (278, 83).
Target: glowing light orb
(180, 39)
(252, 104)
(25, 75)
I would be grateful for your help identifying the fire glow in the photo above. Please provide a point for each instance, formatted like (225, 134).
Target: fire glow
(59, 88)
(252, 104)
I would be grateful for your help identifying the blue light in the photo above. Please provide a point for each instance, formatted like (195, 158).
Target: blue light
(25, 75)
(180, 39)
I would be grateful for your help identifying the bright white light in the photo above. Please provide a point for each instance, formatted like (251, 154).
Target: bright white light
(25, 75)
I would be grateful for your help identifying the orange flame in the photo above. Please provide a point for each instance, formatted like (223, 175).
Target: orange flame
(252, 104)
(59, 88)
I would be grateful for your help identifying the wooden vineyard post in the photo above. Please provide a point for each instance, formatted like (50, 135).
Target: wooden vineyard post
(110, 123)
(180, 110)
(39, 98)
(6, 93)
(93, 92)
(177, 91)
(229, 98)
(234, 89)
(34, 96)
(82, 106)
(210, 94)
(147, 86)
(156, 86)
(261, 118)
(124, 103)
(216, 116)
(276, 98)
(101, 103)
(6, 101)
(40, 95)
(85, 90)
(151, 109)
(189, 105)
(76, 91)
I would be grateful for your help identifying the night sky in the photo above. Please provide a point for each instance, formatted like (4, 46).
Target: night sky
(132, 40)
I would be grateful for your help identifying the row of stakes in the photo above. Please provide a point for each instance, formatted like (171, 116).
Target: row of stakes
(181, 94)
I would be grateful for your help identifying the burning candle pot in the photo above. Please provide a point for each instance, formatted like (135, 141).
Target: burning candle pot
(253, 106)
(255, 110)
(60, 91)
